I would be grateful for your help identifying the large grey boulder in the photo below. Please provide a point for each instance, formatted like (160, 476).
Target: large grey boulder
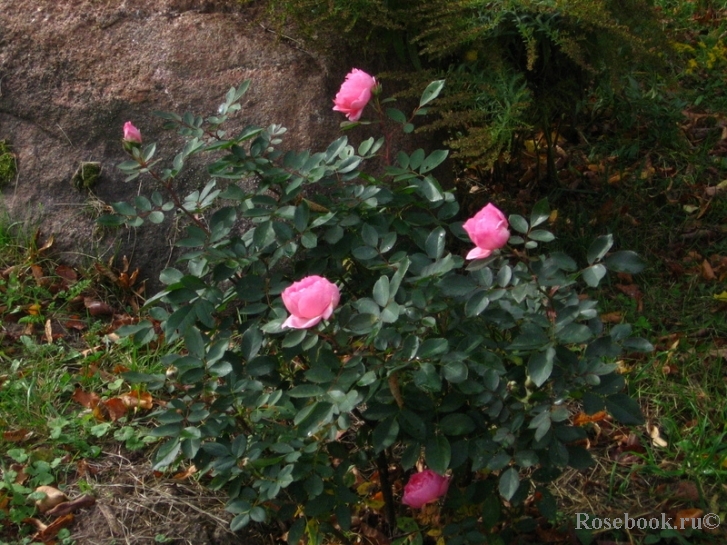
(73, 71)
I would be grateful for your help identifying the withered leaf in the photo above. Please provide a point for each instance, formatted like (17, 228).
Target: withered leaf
(115, 408)
(97, 308)
(87, 500)
(87, 399)
(51, 531)
(17, 436)
(53, 497)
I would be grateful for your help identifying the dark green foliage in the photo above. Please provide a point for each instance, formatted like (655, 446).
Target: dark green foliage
(511, 65)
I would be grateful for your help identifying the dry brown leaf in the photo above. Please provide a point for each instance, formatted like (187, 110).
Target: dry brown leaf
(656, 438)
(707, 271)
(87, 500)
(53, 497)
(682, 490)
(685, 517)
(66, 273)
(48, 331)
(186, 474)
(17, 436)
(612, 317)
(142, 400)
(97, 308)
(20, 475)
(581, 419)
(87, 399)
(39, 275)
(51, 531)
(115, 408)
(101, 412)
(84, 469)
(75, 323)
(47, 245)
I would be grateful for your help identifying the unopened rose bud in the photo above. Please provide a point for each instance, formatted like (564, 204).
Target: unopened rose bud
(131, 133)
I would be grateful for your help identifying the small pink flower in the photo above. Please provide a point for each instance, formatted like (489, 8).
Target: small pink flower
(424, 487)
(131, 133)
(354, 94)
(309, 301)
(488, 230)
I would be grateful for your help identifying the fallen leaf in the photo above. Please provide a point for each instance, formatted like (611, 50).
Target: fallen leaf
(53, 497)
(46, 246)
(51, 531)
(87, 500)
(713, 190)
(67, 273)
(656, 438)
(115, 408)
(101, 412)
(186, 474)
(686, 490)
(74, 323)
(142, 400)
(707, 271)
(581, 419)
(612, 317)
(20, 475)
(39, 275)
(48, 332)
(84, 469)
(88, 399)
(685, 517)
(17, 436)
(719, 353)
(97, 308)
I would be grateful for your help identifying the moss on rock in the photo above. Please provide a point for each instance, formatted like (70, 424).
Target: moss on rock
(86, 175)
(8, 165)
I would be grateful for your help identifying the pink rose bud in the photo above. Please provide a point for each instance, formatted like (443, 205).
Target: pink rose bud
(488, 230)
(354, 94)
(131, 133)
(424, 487)
(309, 301)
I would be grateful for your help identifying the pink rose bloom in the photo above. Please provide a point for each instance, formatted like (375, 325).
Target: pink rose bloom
(424, 487)
(488, 230)
(309, 301)
(131, 133)
(354, 94)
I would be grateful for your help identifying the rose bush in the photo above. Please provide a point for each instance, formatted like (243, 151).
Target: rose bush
(355, 93)
(424, 487)
(468, 368)
(309, 301)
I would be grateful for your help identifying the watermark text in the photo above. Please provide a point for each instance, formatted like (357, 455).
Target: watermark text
(584, 521)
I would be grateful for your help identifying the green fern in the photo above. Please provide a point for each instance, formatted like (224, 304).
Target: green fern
(510, 65)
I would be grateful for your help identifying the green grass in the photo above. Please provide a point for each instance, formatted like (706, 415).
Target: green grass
(45, 430)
